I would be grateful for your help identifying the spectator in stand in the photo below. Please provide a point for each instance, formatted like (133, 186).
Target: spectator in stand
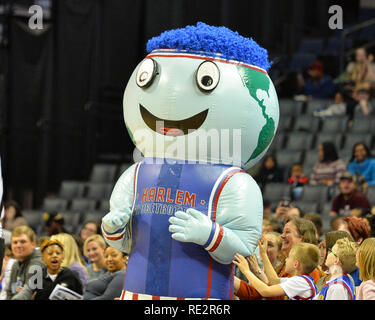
(326, 244)
(93, 248)
(329, 168)
(54, 223)
(53, 273)
(29, 261)
(90, 228)
(341, 261)
(269, 172)
(8, 262)
(296, 230)
(13, 216)
(318, 85)
(109, 285)
(349, 197)
(337, 108)
(359, 230)
(72, 257)
(297, 180)
(362, 70)
(287, 209)
(366, 265)
(364, 106)
(362, 164)
(273, 240)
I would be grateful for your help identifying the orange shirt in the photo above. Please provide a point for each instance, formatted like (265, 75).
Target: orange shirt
(248, 292)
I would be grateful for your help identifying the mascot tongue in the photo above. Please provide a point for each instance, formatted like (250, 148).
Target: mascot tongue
(171, 131)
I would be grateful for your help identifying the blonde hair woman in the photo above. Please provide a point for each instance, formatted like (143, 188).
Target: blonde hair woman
(366, 264)
(72, 256)
(93, 249)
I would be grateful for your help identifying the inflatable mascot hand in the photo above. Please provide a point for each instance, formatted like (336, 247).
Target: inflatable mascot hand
(202, 109)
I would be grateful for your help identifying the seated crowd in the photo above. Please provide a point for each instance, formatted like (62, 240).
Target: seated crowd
(83, 263)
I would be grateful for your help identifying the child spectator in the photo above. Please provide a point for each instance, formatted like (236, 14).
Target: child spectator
(366, 264)
(297, 180)
(273, 240)
(296, 230)
(109, 285)
(54, 273)
(303, 258)
(93, 249)
(329, 168)
(341, 261)
(72, 256)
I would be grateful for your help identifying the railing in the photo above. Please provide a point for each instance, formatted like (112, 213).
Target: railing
(347, 32)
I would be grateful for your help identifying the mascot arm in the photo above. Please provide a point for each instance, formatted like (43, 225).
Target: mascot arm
(115, 227)
(240, 213)
(238, 223)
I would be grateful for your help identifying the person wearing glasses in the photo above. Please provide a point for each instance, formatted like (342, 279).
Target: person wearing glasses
(341, 260)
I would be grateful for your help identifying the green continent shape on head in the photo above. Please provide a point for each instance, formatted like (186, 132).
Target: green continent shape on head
(255, 80)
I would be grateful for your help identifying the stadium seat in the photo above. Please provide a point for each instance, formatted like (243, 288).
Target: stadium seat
(352, 138)
(54, 204)
(99, 191)
(334, 45)
(311, 158)
(285, 124)
(306, 123)
(71, 220)
(362, 124)
(275, 192)
(307, 206)
(104, 206)
(328, 137)
(300, 61)
(314, 193)
(34, 219)
(317, 104)
(335, 124)
(286, 158)
(103, 173)
(345, 155)
(95, 216)
(83, 205)
(326, 209)
(314, 46)
(277, 142)
(289, 107)
(371, 195)
(71, 189)
(299, 141)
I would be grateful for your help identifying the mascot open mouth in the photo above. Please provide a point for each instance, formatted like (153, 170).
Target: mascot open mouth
(173, 127)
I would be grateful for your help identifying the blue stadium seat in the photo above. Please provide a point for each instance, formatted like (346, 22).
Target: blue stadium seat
(314, 46)
(300, 61)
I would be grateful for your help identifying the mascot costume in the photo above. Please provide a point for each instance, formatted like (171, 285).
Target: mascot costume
(202, 110)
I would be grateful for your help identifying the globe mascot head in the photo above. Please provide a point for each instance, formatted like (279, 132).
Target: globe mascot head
(202, 94)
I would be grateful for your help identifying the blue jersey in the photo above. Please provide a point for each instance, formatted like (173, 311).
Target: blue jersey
(159, 265)
(343, 280)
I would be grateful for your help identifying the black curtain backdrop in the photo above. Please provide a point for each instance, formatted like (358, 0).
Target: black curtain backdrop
(64, 84)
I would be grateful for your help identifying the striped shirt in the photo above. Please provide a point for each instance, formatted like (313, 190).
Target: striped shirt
(323, 171)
